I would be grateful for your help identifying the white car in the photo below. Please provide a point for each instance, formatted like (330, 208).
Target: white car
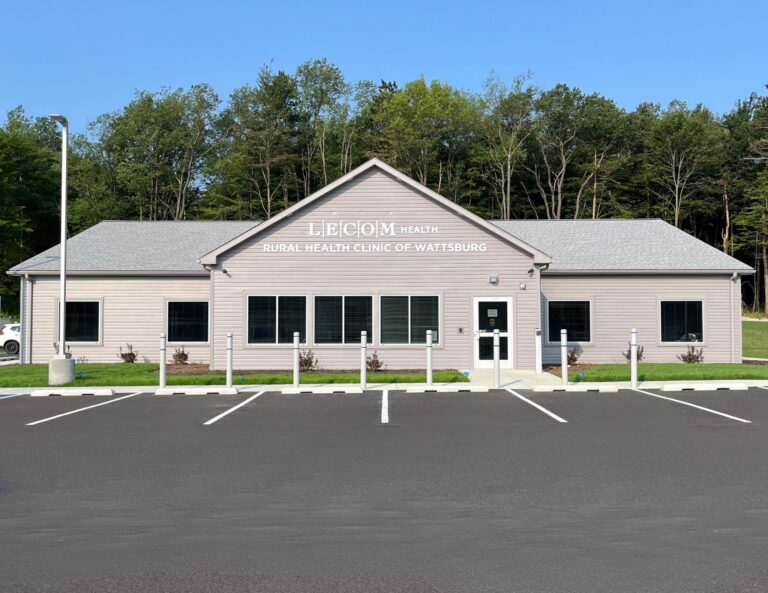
(10, 337)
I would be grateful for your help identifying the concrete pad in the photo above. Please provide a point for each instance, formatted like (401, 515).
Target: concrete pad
(73, 391)
(704, 386)
(580, 388)
(212, 390)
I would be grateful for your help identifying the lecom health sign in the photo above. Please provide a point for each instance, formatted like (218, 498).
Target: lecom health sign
(373, 236)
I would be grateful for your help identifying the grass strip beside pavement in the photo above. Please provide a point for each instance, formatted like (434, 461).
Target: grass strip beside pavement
(755, 338)
(673, 372)
(107, 375)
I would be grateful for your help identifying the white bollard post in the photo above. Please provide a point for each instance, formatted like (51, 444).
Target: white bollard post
(538, 351)
(564, 354)
(633, 356)
(229, 360)
(296, 347)
(429, 358)
(162, 361)
(363, 358)
(496, 359)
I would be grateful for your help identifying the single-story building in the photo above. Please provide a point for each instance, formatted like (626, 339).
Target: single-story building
(377, 251)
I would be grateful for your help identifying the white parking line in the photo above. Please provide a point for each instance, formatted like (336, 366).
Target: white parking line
(232, 409)
(117, 399)
(679, 401)
(7, 396)
(538, 407)
(385, 407)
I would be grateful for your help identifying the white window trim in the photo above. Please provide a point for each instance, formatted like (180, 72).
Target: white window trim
(704, 325)
(589, 300)
(168, 302)
(410, 344)
(344, 343)
(100, 341)
(258, 345)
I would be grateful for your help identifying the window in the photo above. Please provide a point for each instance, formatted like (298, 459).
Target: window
(405, 320)
(274, 319)
(187, 321)
(82, 321)
(573, 316)
(340, 319)
(682, 321)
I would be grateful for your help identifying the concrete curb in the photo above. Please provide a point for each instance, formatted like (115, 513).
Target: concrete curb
(581, 388)
(212, 390)
(704, 387)
(460, 388)
(101, 391)
(320, 390)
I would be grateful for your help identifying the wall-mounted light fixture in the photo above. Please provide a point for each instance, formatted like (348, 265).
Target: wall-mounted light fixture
(522, 286)
(493, 277)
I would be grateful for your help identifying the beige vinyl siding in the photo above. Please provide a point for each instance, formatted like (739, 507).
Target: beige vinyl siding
(455, 277)
(620, 302)
(133, 312)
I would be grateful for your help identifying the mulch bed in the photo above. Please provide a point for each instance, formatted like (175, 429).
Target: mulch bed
(204, 369)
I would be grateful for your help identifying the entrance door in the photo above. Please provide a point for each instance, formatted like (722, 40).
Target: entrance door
(491, 314)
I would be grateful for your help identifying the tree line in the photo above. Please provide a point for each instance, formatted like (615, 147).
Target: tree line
(512, 150)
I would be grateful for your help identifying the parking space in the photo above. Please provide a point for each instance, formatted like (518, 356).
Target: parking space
(457, 492)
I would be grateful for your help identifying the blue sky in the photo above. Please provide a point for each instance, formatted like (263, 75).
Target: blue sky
(86, 58)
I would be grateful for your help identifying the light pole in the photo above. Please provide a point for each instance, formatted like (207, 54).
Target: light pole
(62, 370)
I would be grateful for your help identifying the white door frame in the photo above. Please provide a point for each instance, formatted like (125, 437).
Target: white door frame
(488, 364)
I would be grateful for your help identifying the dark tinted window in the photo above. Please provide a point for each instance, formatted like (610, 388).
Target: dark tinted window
(424, 316)
(682, 321)
(292, 317)
(262, 319)
(82, 322)
(394, 320)
(492, 315)
(358, 317)
(572, 316)
(328, 317)
(187, 322)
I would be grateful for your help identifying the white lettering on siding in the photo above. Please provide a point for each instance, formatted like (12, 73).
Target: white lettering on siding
(377, 233)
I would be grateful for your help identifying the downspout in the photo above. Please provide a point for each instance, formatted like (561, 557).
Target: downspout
(211, 317)
(30, 294)
(734, 276)
(22, 341)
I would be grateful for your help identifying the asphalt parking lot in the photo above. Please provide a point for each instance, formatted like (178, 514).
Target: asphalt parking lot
(480, 492)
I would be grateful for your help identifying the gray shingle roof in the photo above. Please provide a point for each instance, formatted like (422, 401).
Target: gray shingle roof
(575, 245)
(645, 244)
(133, 246)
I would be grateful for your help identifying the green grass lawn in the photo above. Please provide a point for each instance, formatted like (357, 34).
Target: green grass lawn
(673, 371)
(755, 339)
(93, 375)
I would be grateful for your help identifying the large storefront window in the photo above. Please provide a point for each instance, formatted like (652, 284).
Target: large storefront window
(682, 321)
(274, 319)
(406, 319)
(82, 321)
(340, 319)
(573, 316)
(187, 321)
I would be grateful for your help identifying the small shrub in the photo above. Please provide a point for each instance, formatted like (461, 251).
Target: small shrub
(692, 356)
(628, 353)
(180, 356)
(307, 361)
(130, 355)
(573, 356)
(373, 362)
